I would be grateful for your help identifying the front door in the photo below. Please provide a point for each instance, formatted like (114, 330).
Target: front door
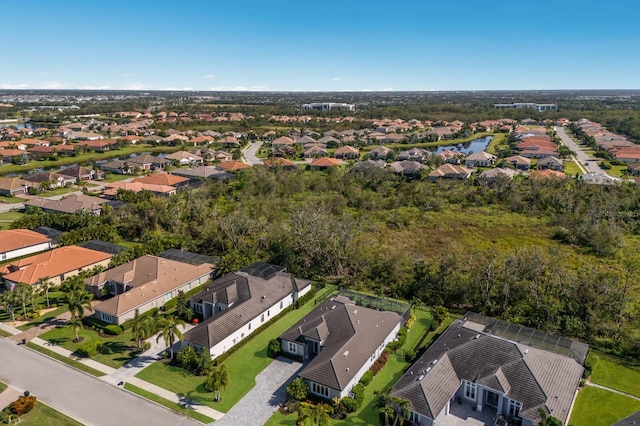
(492, 399)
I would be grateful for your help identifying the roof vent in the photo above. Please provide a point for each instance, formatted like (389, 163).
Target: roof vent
(355, 311)
(526, 351)
(434, 362)
(345, 353)
(420, 377)
(427, 370)
(333, 307)
(477, 336)
(346, 369)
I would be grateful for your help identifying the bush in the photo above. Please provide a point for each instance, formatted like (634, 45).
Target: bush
(22, 405)
(380, 362)
(409, 355)
(366, 378)
(589, 362)
(89, 349)
(195, 361)
(410, 321)
(274, 349)
(113, 330)
(298, 389)
(348, 405)
(358, 394)
(150, 313)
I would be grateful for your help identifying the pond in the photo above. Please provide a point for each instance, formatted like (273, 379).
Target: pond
(467, 148)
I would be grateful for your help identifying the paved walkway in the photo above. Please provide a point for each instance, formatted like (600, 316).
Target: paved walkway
(257, 406)
(9, 395)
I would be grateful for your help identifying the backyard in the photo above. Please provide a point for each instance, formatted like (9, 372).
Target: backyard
(599, 407)
(616, 376)
(243, 366)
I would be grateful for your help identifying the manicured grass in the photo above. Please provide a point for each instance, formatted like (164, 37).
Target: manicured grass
(4, 333)
(11, 215)
(598, 407)
(169, 404)
(64, 359)
(243, 366)
(499, 141)
(43, 415)
(117, 350)
(616, 376)
(3, 387)
(58, 191)
(11, 200)
(571, 168)
(616, 171)
(113, 177)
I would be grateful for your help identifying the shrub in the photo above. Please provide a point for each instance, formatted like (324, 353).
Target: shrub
(410, 321)
(358, 394)
(589, 362)
(366, 378)
(195, 361)
(348, 405)
(409, 355)
(274, 348)
(22, 405)
(89, 349)
(113, 330)
(150, 313)
(298, 389)
(380, 362)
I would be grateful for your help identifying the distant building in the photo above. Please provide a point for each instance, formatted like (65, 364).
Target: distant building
(538, 107)
(326, 106)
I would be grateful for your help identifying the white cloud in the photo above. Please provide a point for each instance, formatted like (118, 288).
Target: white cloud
(178, 89)
(136, 86)
(90, 87)
(336, 79)
(209, 76)
(260, 88)
(13, 86)
(386, 89)
(52, 85)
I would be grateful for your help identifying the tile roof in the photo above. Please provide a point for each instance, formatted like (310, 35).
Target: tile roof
(325, 162)
(233, 166)
(52, 263)
(148, 278)
(14, 239)
(348, 335)
(161, 179)
(70, 204)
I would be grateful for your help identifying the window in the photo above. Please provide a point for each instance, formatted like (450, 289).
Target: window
(514, 408)
(106, 317)
(320, 389)
(249, 326)
(281, 304)
(262, 318)
(3, 256)
(293, 348)
(268, 313)
(198, 308)
(470, 390)
(167, 297)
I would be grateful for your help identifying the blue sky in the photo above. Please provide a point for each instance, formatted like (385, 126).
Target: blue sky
(321, 45)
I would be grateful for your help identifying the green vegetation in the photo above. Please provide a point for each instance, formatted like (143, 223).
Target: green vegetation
(44, 318)
(599, 407)
(572, 169)
(58, 191)
(612, 374)
(4, 333)
(169, 404)
(3, 387)
(11, 200)
(43, 415)
(73, 363)
(241, 373)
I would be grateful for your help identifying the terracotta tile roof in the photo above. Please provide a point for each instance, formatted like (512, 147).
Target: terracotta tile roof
(112, 188)
(325, 162)
(546, 174)
(52, 263)
(274, 162)
(233, 166)
(161, 179)
(14, 239)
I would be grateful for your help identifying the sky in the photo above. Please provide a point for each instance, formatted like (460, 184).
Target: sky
(330, 45)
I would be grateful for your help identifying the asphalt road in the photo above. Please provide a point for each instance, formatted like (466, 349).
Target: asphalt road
(78, 395)
(250, 154)
(589, 163)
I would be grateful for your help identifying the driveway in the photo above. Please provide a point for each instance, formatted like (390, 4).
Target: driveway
(79, 395)
(257, 406)
(587, 161)
(250, 154)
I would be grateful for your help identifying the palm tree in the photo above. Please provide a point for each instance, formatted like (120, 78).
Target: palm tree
(22, 292)
(170, 331)
(402, 411)
(78, 301)
(547, 419)
(316, 415)
(9, 300)
(76, 325)
(217, 380)
(391, 407)
(45, 284)
(142, 327)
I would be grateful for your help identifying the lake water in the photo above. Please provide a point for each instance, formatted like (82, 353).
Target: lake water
(470, 147)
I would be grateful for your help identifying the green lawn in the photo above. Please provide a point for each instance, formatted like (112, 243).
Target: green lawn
(243, 366)
(616, 171)
(388, 376)
(6, 219)
(114, 177)
(598, 407)
(169, 404)
(571, 168)
(43, 415)
(3, 387)
(4, 333)
(58, 191)
(11, 200)
(616, 376)
(73, 363)
(117, 350)
(43, 318)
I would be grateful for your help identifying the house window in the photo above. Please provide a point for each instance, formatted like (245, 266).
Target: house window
(514, 408)
(281, 303)
(167, 297)
(320, 389)
(106, 317)
(293, 348)
(249, 326)
(262, 318)
(470, 390)
(3, 256)
(198, 308)
(268, 313)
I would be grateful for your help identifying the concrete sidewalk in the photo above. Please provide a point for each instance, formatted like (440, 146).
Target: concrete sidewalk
(68, 354)
(11, 330)
(9, 395)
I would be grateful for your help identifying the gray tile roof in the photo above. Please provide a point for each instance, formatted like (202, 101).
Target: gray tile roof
(248, 297)
(348, 335)
(534, 377)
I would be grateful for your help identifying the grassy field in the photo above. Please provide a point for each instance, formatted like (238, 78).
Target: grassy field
(6, 219)
(73, 363)
(116, 349)
(571, 168)
(169, 404)
(43, 415)
(58, 191)
(3, 387)
(615, 376)
(11, 200)
(84, 158)
(243, 366)
(616, 171)
(598, 407)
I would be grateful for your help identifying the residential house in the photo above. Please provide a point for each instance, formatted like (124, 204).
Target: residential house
(70, 204)
(480, 159)
(147, 162)
(57, 265)
(392, 138)
(229, 142)
(163, 179)
(518, 162)
(117, 166)
(184, 158)
(197, 174)
(450, 171)
(324, 163)
(341, 341)
(235, 305)
(47, 180)
(13, 186)
(546, 174)
(634, 169)
(9, 155)
(283, 163)
(101, 145)
(367, 165)
(282, 141)
(329, 141)
(314, 150)
(407, 168)
(381, 152)
(233, 166)
(414, 154)
(550, 162)
(21, 242)
(347, 153)
(600, 179)
(112, 188)
(497, 173)
(451, 157)
(474, 362)
(143, 284)
(81, 173)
